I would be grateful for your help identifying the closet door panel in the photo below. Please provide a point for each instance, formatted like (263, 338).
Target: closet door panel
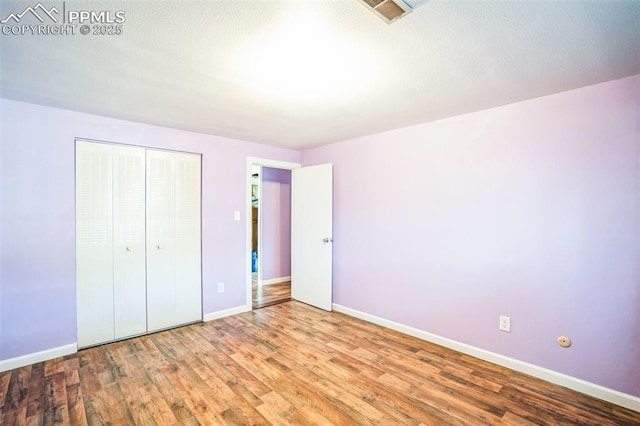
(129, 282)
(173, 239)
(161, 248)
(94, 243)
(138, 239)
(188, 235)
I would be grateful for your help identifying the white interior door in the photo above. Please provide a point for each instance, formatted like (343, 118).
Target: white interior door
(129, 268)
(161, 225)
(311, 235)
(174, 290)
(138, 240)
(188, 238)
(94, 243)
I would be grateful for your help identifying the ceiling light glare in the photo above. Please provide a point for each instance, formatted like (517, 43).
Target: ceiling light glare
(304, 60)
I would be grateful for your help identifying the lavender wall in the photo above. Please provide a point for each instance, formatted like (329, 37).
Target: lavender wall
(276, 223)
(530, 210)
(38, 303)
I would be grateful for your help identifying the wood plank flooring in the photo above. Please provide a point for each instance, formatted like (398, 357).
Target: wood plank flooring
(287, 364)
(272, 294)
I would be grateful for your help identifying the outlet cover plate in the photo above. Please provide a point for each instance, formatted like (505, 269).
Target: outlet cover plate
(505, 323)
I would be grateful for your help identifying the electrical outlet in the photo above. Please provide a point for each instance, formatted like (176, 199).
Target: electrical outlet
(505, 323)
(220, 287)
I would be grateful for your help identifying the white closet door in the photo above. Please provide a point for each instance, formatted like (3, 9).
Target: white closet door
(173, 239)
(94, 243)
(129, 280)
(161, 223)
(188, 235)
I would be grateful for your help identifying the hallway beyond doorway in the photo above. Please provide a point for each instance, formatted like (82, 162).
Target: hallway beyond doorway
(272, 294)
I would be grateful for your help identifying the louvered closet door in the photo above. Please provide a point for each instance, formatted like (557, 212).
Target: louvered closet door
(110, 259)
(173, 239)
(129, 280)
(94, 243)
(188, 238)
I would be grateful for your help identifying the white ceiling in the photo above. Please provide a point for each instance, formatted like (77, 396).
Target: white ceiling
(298, 74)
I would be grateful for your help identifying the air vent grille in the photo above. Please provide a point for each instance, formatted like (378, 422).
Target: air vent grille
(373, 3)
(390, 10)
(387, 10)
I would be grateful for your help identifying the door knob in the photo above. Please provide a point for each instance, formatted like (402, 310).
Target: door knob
(129, 248)
(327, 240)
(159, 247)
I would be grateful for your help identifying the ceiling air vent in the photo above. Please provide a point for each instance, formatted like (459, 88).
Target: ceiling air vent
(387, 10)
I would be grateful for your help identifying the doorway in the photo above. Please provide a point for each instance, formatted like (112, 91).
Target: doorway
(269, 232)
(256, 172)
(311, 232)
(271, 236)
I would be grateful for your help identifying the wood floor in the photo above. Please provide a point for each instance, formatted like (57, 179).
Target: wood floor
(287, 364)
(272, 294)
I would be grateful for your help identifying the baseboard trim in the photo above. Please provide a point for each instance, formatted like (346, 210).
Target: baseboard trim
(597, 391)
(276, 280)
(21, 361)
(225, 313)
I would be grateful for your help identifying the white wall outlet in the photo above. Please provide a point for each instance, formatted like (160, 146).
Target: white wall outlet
(220, 287)
(236, 215)
(505, 323)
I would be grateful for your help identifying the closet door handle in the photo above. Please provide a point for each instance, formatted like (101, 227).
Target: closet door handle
(159, 247)
(129, 248)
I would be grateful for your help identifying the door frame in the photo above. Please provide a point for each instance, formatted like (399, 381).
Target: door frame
(262, 162)
(259, 230)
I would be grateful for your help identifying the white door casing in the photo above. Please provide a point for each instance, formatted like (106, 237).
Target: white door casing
(312, 235)
(251, 162)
